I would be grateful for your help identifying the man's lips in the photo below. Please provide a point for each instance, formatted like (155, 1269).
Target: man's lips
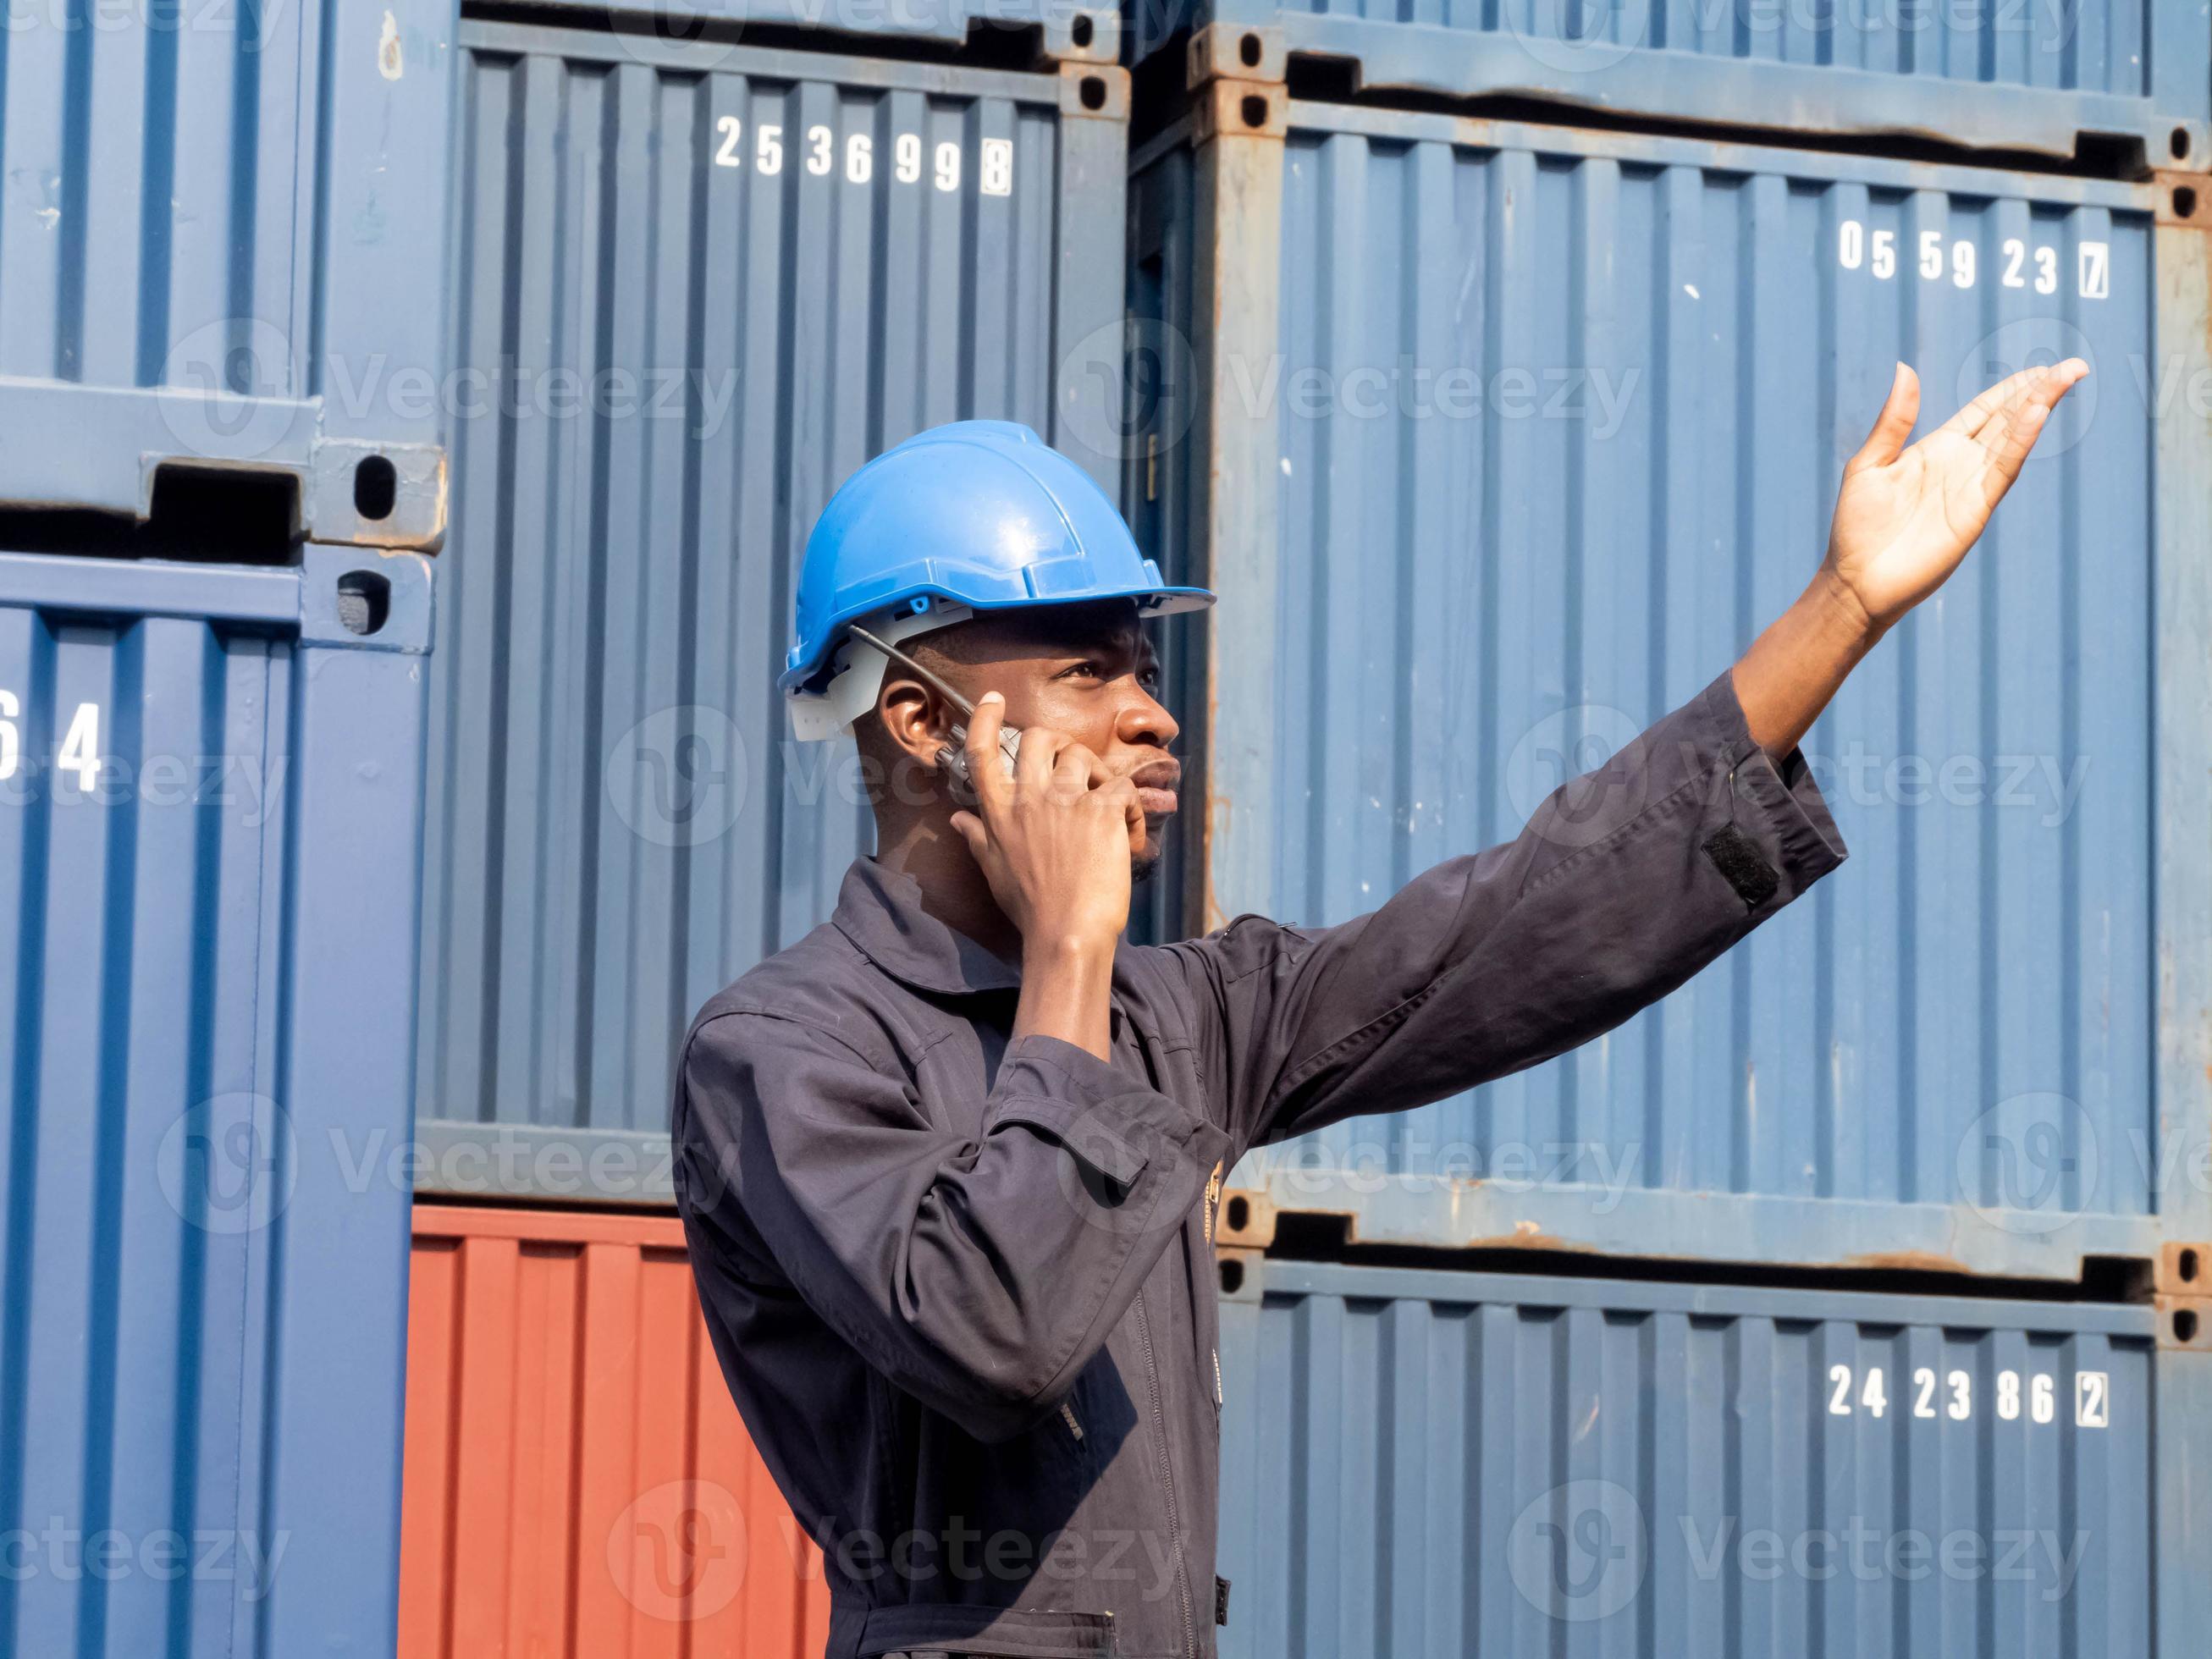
(1157, 783)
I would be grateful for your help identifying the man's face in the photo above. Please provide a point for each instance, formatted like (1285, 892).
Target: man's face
(1086, 671)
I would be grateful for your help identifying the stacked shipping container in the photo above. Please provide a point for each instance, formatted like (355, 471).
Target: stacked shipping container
(1519, 432)
(785, 261)
(704, 279)
(219, 477)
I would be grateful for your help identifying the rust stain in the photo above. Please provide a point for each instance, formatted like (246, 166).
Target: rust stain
(1918, 1261)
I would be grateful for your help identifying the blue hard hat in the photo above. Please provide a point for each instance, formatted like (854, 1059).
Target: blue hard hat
(981, 513)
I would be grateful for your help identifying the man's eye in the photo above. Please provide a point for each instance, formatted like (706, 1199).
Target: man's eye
(1082, 670)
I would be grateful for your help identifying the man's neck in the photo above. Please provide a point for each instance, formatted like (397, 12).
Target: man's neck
(952, 889)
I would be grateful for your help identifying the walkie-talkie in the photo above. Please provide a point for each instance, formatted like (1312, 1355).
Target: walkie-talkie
(954, 756)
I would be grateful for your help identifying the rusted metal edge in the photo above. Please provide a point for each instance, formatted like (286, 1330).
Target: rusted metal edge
(1229, 51)
(1097, 90)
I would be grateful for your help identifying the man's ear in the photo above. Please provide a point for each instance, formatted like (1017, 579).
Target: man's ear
(918, 722)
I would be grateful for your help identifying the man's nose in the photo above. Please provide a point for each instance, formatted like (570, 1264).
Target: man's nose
(1144, 720)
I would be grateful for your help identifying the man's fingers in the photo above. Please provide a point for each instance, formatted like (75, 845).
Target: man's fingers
(1973, 416)
(1075, 768)
(1894, 426)
(1040, 750)
(1122, 793)
(971, 829)
(2010, 436)
(986, 769)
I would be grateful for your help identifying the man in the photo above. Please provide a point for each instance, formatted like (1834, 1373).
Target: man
(948, 1165)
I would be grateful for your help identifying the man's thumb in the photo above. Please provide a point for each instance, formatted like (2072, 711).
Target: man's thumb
(1892, 427)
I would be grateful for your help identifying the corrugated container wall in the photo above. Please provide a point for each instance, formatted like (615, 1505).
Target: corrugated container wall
(212, 835)
(2098, 78)
(578, 1481)
(705, 283)
(1449, 1466)
(222, 247)
(1519, 437)
(220, 250)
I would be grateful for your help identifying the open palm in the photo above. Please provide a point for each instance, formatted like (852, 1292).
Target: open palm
(1905, 517)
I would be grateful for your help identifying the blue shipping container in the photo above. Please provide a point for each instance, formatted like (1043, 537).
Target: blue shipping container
(221, 248)
(1519, 435)
(699, 285)
(2052, 76)
(210, 819)
(1450, 1466)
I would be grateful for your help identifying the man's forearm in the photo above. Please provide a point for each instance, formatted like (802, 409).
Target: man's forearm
(1796, 666)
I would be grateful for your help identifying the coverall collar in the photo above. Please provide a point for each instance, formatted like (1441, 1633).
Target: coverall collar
(880, 910)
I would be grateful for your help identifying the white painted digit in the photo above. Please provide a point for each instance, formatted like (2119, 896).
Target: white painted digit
(1885, 254)
(1962, 1395)
(821, 141)
(1871, 1396)
(2008, 1394)
(1850, 244)
(2042, 1398)
(2046, 271)
(1962, 265)
(948, 166)
(2096, 272)
(998, 172)
(1839, 1403)
(11, 743)
(859, 158)
(79, 751)
(1923, 1404)
(768, 149)
(2091, 1400)
(2016, 253)
(731, 129)
(1931, 254)
(907, 166)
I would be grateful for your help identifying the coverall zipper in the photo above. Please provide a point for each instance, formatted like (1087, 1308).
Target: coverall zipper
(1167, 1471)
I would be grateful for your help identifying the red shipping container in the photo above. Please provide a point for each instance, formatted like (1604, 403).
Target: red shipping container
(578, 1483)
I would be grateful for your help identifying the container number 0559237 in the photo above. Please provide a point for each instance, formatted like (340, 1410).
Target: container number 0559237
(2019, 265)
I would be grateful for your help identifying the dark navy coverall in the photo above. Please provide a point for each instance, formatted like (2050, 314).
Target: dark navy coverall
(962, 1287)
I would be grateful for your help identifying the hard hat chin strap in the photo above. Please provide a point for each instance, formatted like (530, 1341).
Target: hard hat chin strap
(858, 672)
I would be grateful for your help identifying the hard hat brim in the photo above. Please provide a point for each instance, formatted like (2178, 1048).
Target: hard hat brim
(1151, 602)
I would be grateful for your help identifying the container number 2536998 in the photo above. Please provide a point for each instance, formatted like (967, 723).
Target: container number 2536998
(911, 161)
(2036, 268)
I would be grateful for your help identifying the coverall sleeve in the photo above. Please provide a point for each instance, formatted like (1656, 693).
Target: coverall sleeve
(978, 1272)
(1625, 883)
